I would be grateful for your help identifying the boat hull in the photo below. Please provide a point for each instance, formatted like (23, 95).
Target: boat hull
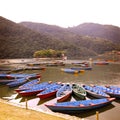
(43, 96)
(66, 107)
(30, 93)
(63, 98)
(64, 92)
(79, 91)
(94, 92)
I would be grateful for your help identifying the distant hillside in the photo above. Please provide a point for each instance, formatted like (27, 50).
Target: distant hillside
(74, 35)
(17, 41)
(23, 39)
(52, 30)
(108, 32)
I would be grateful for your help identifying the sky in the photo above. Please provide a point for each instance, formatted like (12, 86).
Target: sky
(64, 13)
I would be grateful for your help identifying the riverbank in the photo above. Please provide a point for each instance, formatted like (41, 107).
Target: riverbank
(12, 111)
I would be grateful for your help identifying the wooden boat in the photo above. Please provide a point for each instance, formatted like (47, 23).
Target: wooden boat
(81, 68)
(97, 93)
(79, 91)
(113, 91)
(18, 82)
(69, 70)
(34, 68)
(33, 76)
(78, 106)
(58, 63)
(64, 92)
(35, 89)
(114, 87)
(18, 75)
(50, 91)
(7, 76)
(36, 64)
(82, 64)
(27, 85)
(7, 81)
(101, 63)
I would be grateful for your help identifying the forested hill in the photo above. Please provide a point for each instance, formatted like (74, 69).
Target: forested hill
(109, 32)
(17, 41)
(96, 37)
(21, 40)
(52, 30)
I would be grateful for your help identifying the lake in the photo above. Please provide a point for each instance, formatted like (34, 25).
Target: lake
(99, 75)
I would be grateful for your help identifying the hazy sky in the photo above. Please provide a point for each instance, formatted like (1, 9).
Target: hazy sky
(64, 13)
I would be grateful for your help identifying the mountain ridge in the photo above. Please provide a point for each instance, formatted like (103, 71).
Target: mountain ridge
(21, 41)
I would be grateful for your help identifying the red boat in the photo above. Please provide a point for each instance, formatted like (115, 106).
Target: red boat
(35, 89)
(51, 91)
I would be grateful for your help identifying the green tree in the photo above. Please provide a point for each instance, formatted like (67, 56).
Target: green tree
(48, 53)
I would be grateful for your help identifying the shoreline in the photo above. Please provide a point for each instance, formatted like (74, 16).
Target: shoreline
(12, 111)
(37, 109)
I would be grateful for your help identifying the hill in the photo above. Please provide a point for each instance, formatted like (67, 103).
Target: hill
(94, 42)
(108, 32)
(21, 40)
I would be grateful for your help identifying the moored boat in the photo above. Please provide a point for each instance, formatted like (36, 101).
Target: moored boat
(69, 70)
(97, 93)
(78, 106)
(82, 64)
(113, 91)
(27, 85)
(101, 63)
(50, 91)
(79, 91)
(35, 89)
(64, 92)
(19, 75)
(34, 68)
(81, 68)
(7, 81)
(18, 82)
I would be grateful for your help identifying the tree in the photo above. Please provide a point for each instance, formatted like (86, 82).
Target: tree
(48, 53)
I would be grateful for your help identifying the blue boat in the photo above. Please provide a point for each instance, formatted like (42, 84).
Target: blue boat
(113, 91)
(7, 81)
(64, 92)
(114, 87)
(50, 91)
(18, 82)
(35, 89)
(69, 70)
(97, 93)
(18, 75)
(81, 68)
(6, 76)
(79, 106)
(27, 85)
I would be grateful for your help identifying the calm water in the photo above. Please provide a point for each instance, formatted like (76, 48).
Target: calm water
(100, 75)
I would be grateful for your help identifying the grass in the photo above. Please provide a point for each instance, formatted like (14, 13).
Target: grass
(10, 112)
